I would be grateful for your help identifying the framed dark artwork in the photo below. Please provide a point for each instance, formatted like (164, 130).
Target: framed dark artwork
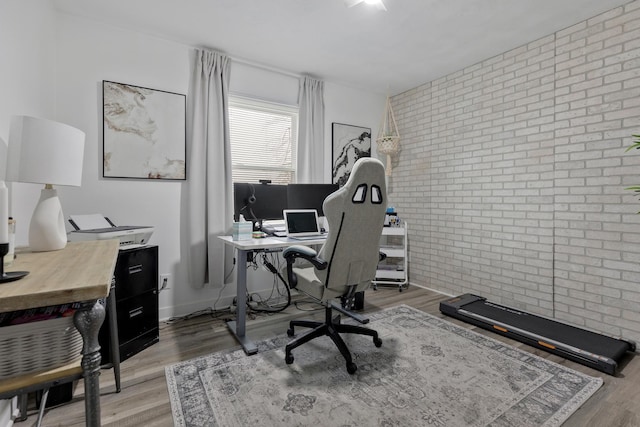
(349, 143)
(144, 132)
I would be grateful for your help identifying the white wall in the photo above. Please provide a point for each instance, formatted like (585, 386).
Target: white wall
(89, 52)
(26, 80)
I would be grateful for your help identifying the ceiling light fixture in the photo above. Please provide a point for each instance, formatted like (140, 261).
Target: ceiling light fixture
(376, 3)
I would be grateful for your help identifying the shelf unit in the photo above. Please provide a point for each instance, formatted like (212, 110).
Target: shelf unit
(393, 270)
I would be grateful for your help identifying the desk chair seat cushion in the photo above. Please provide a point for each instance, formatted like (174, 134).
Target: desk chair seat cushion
(309, 283)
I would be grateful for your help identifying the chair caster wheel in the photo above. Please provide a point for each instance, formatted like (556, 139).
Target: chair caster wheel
(290, 332)
(377, 342)
(351, 368)
(289, 359)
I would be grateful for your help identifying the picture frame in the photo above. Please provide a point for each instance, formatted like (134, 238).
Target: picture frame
(144, 133)
(349, 143)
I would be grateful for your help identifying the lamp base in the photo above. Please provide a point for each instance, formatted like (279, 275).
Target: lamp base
(12, 275)
(46, 230)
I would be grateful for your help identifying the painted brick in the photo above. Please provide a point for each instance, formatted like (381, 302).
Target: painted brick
(512, 176)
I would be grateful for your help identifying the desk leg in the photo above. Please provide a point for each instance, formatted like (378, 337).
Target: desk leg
(88, 320)
(238, 327)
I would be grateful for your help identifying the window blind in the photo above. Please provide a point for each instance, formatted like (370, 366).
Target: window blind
(263, 140)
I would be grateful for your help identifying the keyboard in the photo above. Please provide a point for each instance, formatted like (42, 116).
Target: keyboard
(317, 237)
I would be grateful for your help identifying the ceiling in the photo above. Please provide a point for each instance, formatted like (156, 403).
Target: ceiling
(413, 42)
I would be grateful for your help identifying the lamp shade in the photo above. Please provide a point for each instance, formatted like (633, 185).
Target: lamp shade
(44, 152)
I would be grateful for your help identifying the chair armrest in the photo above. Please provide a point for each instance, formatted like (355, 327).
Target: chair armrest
(298, 251)
(305, 252)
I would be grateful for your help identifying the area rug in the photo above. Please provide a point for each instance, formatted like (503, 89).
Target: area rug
(428, 372)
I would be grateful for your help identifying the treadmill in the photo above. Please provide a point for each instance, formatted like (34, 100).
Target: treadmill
(588, 348)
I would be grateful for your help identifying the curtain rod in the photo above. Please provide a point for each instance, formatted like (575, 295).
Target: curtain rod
(264, 67)
(261, 65)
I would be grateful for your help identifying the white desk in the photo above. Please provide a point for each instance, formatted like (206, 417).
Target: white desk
(243, 247)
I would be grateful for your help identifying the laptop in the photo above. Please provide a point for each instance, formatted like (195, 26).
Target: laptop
(302, 224)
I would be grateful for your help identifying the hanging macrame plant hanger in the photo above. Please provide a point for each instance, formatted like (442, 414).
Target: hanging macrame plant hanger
(388, 137)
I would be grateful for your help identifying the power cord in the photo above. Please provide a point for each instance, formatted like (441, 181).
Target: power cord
(212, 311)
(215, 314)
(274, 271)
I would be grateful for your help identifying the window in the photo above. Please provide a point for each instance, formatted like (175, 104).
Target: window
(263, 140)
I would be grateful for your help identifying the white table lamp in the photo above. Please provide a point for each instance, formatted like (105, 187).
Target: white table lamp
(45, 152)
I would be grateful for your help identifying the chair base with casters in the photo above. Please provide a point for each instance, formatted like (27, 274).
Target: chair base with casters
(332, 328)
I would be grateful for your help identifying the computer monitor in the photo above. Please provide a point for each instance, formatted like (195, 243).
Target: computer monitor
(308, 196)
(258, 202)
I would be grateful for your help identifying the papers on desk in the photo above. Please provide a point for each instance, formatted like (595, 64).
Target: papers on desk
(89, 222)
(314, 237)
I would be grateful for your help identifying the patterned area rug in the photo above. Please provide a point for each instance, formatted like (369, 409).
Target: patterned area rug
(428, 372)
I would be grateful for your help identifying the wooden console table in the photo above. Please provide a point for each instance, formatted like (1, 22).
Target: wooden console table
(82, 273)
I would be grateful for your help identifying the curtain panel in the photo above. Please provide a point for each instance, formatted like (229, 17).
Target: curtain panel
(310, 153)
(210, 187)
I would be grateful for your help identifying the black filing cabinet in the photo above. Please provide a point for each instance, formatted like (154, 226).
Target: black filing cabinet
(136, 301)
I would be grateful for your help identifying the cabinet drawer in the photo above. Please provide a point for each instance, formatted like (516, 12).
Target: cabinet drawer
(136, 271)
(137, 315)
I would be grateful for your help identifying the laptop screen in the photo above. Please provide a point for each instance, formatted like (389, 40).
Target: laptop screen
(301, 222)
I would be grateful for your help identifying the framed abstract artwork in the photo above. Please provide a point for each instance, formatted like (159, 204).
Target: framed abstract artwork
(349, 143)
(144, 132)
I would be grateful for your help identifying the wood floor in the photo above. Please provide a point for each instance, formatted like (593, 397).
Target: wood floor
(144, 400)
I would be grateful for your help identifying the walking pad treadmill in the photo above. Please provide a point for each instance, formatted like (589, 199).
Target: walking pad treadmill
(588, 348)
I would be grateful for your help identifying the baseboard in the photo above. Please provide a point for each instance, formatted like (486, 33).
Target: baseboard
(431, 289)
(220, 304)
(166, 313)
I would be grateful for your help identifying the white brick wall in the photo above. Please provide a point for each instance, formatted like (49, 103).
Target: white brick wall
(512, 176)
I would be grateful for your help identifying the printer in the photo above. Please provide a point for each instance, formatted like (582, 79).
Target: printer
(98, 227)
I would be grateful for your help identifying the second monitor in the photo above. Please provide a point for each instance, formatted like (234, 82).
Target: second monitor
(309, 196)
(258, 202)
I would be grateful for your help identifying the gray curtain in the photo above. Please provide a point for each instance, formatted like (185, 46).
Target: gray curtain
(210, 188)
(310, 157)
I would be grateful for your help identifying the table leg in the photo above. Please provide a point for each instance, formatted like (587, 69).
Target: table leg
(238, 327)
(88, 319)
